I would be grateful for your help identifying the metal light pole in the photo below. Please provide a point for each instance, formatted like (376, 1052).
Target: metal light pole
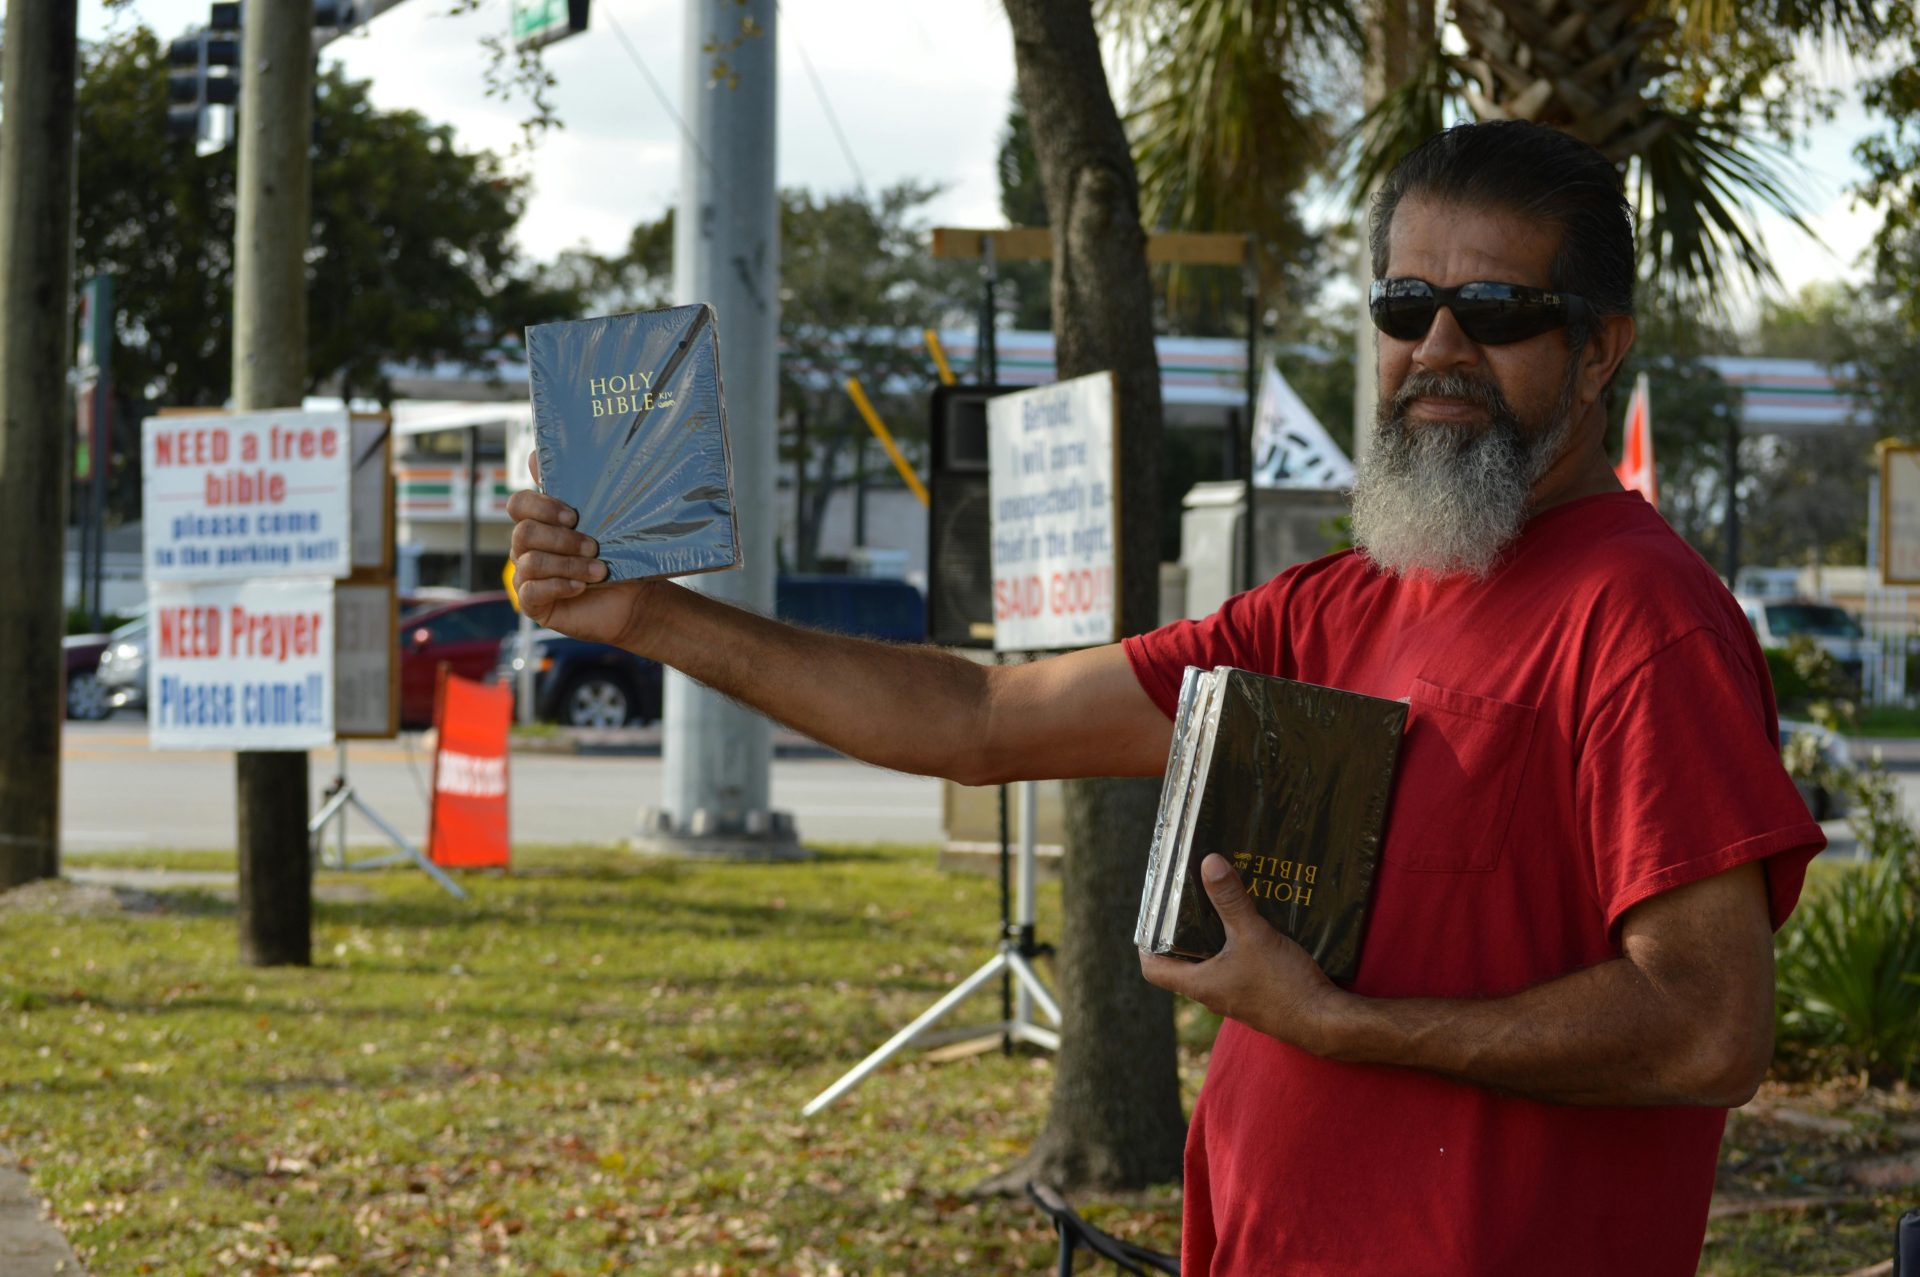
(717, 756)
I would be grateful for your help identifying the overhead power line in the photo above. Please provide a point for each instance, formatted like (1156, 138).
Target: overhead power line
(666, 103)
(820, 91)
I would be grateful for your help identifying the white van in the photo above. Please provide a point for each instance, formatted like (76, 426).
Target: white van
(1778, 621)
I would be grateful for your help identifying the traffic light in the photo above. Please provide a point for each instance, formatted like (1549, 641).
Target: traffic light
(202, 93)
(338, 16)
(208, 77)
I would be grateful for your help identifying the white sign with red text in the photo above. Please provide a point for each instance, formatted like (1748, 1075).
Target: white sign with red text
(241, 665)
(1054, 499)
(256, 494)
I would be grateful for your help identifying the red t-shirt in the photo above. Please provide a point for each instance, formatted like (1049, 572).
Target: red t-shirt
(1590, 726)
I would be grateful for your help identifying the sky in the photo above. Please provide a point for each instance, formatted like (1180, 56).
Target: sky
(919, 89)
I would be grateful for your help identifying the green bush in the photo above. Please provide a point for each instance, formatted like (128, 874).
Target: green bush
(1848, 961)
(81, 622)
(1809, 683)
(1790, 690)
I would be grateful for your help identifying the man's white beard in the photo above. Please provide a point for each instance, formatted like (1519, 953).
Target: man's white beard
(1441, 499)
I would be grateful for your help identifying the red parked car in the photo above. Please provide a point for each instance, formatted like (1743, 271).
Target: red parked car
(463, 633)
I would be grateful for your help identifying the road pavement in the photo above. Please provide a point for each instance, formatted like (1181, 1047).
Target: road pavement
(117, 794)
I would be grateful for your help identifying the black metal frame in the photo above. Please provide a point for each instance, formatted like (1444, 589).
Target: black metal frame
(1075, 1233)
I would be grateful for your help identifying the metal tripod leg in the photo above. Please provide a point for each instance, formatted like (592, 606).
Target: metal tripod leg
(1022, 1026)
(335, 809)
(407, 851)
(1008, 959)
(1011, 959)
(341, 797)
(904, 1038)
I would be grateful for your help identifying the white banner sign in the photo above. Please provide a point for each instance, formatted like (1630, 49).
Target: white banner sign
(1291, 449)
(242, 665)
(255, 494)
(1050, 456)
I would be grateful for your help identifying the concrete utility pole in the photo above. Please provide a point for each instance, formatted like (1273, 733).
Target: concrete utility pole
(270, 371)
(1403, 30)
(726, 250)
(36, 265)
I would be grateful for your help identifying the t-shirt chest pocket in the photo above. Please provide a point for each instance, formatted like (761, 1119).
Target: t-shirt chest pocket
(1459, 775)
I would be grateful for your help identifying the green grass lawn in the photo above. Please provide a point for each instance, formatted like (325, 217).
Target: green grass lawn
(597, 1065)
(1886, 721)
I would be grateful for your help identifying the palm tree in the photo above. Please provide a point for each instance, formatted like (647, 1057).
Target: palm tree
(1235, 104)
(1693, 98)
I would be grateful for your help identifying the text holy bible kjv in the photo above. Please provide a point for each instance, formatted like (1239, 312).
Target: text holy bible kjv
(631, 431)
(1290, 782)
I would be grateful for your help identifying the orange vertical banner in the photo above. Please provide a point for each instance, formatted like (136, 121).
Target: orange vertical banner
(1635, 470)
(467, 828)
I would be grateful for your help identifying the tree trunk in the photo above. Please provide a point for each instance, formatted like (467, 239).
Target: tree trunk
(820, 496)
(36, 261)
(270, 371)
(1577, 65)
(1115, 1119)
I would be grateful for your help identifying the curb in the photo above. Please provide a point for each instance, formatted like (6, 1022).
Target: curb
(1897, 753)
(30, 1244)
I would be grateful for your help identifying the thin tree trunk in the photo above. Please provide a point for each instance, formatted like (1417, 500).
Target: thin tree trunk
(36, 262)
(270, 371)
(820, 496)
(1115, 1119)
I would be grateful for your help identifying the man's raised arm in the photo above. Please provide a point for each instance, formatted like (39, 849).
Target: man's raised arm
(911, 708)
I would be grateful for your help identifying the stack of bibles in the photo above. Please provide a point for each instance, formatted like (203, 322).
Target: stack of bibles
(630, 428)
(1290, 782)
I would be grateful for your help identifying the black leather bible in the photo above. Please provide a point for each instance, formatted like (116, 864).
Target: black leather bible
(1290, 782)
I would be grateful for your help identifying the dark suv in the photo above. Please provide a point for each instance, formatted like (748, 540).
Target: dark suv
(583, 684)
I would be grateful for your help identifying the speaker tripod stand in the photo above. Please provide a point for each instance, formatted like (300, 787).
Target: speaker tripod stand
(1021, 987)
(340, 796)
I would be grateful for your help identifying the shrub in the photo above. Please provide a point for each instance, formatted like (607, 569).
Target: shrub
(1848, 962)
(1809, 683)
(81, 622)
(1790, 690)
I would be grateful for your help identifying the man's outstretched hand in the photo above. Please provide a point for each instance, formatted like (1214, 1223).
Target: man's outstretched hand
(553, 566)
(1260, 978)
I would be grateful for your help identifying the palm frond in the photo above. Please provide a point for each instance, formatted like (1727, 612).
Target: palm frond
(1856, 23)
(1698, 187)
(1224, 115)
(1432, 97)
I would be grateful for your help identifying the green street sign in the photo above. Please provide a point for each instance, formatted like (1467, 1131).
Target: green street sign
(532, 23)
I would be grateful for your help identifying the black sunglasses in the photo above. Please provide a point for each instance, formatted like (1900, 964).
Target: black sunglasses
(1490, 314)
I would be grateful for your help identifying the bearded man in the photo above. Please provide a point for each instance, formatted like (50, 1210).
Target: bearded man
(1568, 973)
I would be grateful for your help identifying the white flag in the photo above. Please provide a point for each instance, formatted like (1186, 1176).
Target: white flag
(1291, 449)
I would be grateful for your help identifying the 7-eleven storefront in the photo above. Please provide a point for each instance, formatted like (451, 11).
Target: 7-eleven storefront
(453, 472)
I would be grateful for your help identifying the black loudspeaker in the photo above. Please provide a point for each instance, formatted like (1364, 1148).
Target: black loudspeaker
(960, 519)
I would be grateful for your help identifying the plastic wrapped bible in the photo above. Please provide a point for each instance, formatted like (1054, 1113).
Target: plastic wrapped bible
(1290, 782)
(630, 428)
